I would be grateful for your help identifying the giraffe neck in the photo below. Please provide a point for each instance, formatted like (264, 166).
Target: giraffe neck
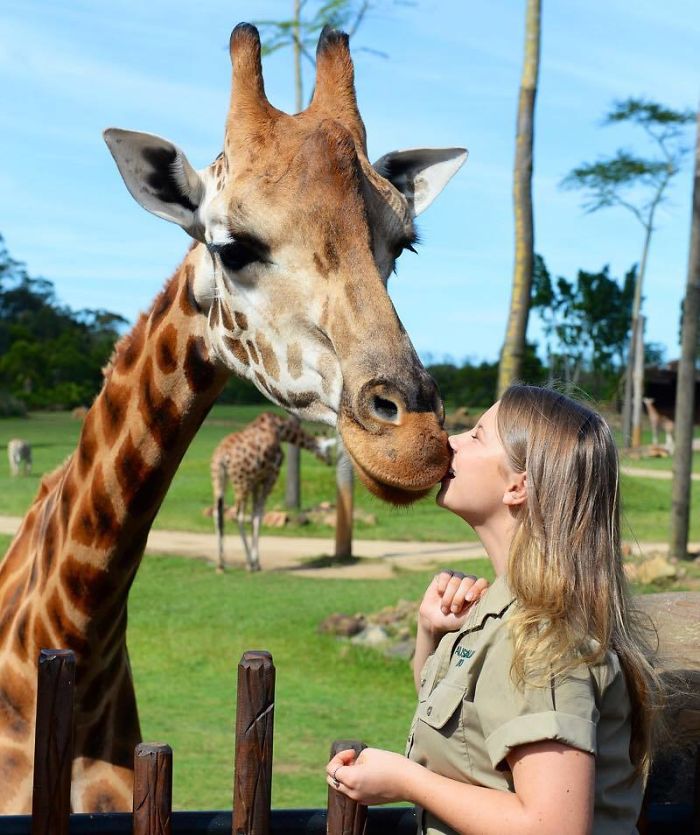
(291, 432)
(88, 526)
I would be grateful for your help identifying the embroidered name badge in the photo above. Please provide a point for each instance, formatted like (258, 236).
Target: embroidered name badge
(462, 654)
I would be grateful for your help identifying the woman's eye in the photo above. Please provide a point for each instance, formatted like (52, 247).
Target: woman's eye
(236, 255)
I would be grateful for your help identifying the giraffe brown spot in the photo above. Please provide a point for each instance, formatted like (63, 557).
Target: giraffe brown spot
(237, 348)
(331, 252)
(269, 360)
(68, 636)
(129, 350)
(320, 266)
(294, 360)
(241, 320)
(15, 706)
(49, 545)
(14, 766)
(99, 797)
(88, 444)
(277, 395)
(21, 635)
(67, 496)
(214, 314)
(301, 399)
(140, 484)
(166, 350)
(95, 523)
(188, 302)
(252, 351)
(163, 303)
(158, 411)
(113, 402)
(226, 319)
(199, 370)
(87, 587)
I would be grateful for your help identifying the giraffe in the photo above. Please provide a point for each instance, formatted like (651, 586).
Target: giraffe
(251, 461)
(19, 454)
(294, 235)
(656, 419)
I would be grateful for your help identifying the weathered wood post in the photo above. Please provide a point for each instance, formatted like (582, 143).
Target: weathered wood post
(53, 746)
(153, 789)
(345, 816)
(255, 704)
(344, 479)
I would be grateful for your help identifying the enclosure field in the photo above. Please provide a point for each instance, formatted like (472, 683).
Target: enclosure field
(53, 436)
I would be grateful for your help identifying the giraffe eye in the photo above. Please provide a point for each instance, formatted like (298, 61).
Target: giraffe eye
(236, 255)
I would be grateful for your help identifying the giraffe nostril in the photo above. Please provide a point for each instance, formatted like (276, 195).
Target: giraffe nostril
(385, 409)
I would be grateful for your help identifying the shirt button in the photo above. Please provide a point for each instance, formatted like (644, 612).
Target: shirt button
(429, 711)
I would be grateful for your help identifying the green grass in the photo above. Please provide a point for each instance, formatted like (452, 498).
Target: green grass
(646, 502)
(185, 644)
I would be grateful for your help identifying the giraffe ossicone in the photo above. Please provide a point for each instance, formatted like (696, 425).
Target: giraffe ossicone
(295, 234)
(300, 233)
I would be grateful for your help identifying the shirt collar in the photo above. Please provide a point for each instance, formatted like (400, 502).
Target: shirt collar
(492, 603)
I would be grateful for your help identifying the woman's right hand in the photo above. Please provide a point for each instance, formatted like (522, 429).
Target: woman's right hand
(447, 601)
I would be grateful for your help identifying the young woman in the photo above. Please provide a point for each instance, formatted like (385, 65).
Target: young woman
(535, 701)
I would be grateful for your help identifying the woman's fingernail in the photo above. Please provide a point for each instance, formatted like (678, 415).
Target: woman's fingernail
(470, 595)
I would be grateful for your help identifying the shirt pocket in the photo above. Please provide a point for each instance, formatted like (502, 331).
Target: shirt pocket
(439, 732)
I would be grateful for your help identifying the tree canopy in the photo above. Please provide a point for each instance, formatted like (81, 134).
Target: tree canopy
(50, 356)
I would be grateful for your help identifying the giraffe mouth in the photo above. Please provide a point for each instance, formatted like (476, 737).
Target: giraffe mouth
(390, 492)
(401, 465)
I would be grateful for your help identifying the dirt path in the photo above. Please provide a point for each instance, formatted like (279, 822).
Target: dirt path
(310, 557)
(641, 472)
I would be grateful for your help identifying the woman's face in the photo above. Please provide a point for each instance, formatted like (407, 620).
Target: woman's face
(480, 475)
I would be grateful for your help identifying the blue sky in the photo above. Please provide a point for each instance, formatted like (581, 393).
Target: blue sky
(70, 69)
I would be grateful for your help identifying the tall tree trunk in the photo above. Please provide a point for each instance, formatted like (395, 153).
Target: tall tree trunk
(298, 79)
(513, 350)
(685, 384)
(634, 384)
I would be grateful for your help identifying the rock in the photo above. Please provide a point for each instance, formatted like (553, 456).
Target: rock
(402, 649)
(275, 518)
(371, 636)
(655, 569)
(325, 506)
(343, 625)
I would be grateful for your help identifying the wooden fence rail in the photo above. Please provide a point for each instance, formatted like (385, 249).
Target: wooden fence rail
(252, 813)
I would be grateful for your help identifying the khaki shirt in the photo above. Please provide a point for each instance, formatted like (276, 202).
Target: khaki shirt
(470, 715)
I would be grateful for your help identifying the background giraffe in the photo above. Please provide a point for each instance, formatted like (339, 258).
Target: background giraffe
(295, 234)
(250, 460)
(658, 420)
(19, 454)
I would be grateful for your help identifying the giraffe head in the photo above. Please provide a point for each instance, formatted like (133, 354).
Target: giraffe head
(300, 234)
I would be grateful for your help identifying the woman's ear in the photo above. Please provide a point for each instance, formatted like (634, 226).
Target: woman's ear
(516, 493)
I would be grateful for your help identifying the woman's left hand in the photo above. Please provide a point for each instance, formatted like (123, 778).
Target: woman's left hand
(373, 777)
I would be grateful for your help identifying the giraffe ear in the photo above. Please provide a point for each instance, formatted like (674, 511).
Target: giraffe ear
(158, 176)
(420, 174)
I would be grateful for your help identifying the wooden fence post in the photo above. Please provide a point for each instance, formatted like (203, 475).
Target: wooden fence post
(255, 704)
(153, 789)
(345, 816)
(53, 745)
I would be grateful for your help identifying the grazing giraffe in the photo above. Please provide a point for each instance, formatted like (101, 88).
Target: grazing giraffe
(658, 420)
(251, 461)
(295, 234)
(19, 454)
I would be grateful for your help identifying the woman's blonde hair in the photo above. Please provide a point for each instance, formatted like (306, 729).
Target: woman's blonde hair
(565, 565)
